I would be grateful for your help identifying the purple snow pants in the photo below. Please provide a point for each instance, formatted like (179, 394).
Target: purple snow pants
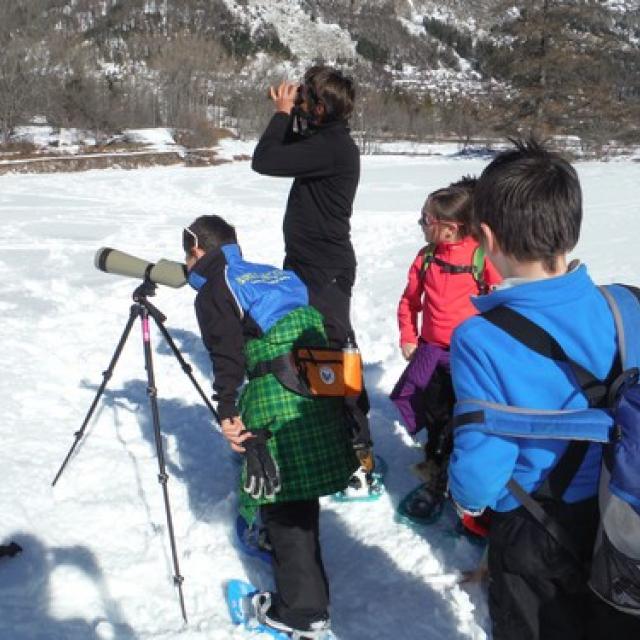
(408, 394)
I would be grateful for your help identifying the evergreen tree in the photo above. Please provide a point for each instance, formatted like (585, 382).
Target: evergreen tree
(564, 62)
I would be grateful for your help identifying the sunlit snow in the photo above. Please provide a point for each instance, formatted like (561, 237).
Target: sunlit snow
(96, 562)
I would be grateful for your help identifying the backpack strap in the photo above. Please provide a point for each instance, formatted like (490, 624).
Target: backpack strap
(476, 268)
(559, 478)
(283, 368)
(619, 305)
(537, 339)
(427, 258)
(552, 526)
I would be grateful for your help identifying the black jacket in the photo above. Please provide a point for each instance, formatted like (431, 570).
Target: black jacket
(326, 168)
(224, 329)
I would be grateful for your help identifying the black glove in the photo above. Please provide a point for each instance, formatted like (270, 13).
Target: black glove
(263, 475)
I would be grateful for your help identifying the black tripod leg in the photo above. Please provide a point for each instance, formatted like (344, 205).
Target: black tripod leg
(186, 367)
(162, 476)
(106, 375)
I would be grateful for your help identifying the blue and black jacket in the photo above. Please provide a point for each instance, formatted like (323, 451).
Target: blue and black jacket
(489, 367)
(236, 301)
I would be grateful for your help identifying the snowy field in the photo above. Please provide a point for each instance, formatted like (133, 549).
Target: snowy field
(96, 561)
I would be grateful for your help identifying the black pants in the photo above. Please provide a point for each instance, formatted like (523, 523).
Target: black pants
(439, 400)
(330, 294)
(537, 591)
(607, 623)
(301, 583)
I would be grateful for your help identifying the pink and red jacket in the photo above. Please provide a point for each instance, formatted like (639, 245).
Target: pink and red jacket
(441, 299)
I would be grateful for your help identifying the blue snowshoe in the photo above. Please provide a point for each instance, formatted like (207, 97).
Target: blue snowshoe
(250, 608)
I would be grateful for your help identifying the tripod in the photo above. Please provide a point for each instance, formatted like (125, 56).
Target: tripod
(143, 309)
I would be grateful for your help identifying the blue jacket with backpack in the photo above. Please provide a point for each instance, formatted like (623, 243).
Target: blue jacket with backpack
(555, 419)
(490, 366)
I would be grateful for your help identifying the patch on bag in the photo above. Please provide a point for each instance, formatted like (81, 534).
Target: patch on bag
(327, 375)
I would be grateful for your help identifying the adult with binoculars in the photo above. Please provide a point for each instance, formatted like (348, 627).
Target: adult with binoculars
(308, 139)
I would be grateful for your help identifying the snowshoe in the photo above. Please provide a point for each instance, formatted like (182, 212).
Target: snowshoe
(445, 518)
(422, 505)
(262, 604)
(250, 608)
(363, 486)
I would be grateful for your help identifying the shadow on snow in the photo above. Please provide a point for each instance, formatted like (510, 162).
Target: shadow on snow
(25, 595)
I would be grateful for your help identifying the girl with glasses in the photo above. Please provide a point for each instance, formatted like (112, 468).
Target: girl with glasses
(442, 278)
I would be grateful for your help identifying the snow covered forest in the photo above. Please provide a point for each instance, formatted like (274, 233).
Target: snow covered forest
(463, 69)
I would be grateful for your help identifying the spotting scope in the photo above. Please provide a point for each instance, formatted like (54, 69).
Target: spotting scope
(167, 272)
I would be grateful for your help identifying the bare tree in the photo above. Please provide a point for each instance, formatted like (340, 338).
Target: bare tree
(185, 66)
(17, 82)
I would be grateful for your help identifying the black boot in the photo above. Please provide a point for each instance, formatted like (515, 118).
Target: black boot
(267, 614)
(424, 505)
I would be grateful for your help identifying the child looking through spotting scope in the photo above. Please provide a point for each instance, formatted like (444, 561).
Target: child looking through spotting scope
(442, 278)
(295, 447)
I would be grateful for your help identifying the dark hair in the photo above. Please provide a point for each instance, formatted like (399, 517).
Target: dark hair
(452, 204)
(333, 89)
(466, 182)
(531, 199)
(212, 232)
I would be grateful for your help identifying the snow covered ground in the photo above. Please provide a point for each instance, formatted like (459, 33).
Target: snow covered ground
(96, 561)
(70, 141)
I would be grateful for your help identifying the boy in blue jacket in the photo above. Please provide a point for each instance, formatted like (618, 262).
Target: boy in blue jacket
(528, 205)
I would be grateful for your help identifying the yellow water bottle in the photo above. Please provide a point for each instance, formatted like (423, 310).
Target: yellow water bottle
(351, 367)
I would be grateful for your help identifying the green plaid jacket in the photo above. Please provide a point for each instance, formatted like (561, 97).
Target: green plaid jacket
(310, 442)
